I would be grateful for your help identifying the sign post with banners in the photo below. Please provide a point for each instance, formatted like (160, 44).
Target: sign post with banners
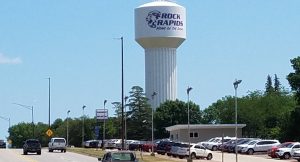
(102, 115)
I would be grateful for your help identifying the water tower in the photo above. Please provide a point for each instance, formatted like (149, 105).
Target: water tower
(160, 28)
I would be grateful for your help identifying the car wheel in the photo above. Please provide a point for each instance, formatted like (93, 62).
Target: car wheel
(39, 152)
(50, 150)
(65, 150)
(214, 148)
(298, 160)
(181, 157)
(250, 151)
(209, 156)
(24, 152)
(286, 156)
(193, 156)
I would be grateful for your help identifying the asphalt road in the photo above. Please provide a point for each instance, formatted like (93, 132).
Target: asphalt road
(16, 155)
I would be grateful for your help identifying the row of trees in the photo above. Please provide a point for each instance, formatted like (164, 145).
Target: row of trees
(272, 113)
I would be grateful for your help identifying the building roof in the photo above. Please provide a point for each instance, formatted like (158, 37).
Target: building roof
(203, 126)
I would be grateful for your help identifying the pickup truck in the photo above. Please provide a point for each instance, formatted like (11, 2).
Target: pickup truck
(57, 144)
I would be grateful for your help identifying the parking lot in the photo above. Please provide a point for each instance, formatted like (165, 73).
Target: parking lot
(230, 157)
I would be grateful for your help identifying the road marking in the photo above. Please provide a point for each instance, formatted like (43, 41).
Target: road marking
(27, 158)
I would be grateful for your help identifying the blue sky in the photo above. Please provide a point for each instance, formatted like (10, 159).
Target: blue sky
(72, 41)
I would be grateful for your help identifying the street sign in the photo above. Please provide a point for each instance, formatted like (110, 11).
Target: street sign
(49, 132)
(102, 114)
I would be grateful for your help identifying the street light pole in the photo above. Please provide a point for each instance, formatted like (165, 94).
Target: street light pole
(152, 132)
(125, 98)
(49, 101)
(29, 108)
(235, 84)
(189, 133)
(68, 127)
(103, 138)
(122, 91)
(83, 126)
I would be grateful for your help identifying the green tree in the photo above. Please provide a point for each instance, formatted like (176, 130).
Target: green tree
(174, 112)
(294, 77)
(269, 86)
(276, 84)
(139, 115)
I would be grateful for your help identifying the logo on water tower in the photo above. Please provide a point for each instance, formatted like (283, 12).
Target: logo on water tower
(152, 18)
(164, 21)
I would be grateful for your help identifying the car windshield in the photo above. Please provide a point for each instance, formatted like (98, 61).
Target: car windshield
(290, 145)
(59, 140)
(252, 142)
(32, 142)
(285, 145)
(123, 156)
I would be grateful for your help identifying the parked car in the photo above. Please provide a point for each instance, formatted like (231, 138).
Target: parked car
(286, 152)
(245, 145)
(213, 145)
(32, 146)
(147, 147)
(119, 156)
(272, 151)
(240, 141)
(196, 151)
(57, 144)
(112, 143)
(296, 155)
(163, 147)
(2, 144)
(92, 144)
(260, 146)
(136, 145)
(174, 149)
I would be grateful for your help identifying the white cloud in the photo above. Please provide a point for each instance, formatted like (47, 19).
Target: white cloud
(7, 60)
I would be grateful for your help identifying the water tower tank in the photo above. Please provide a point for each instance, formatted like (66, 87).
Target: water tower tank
(160, 27)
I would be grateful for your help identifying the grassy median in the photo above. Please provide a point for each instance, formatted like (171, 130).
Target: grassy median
(144, 157)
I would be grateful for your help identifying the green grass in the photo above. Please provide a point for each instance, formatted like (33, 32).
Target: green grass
(99, 153)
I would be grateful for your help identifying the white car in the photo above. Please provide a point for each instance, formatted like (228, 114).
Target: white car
(286, 152)
(296, 155)
(260, 146)
(57, 144)
(112, 143)
(196, 151)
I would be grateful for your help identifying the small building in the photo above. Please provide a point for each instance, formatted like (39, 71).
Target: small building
(202, 132)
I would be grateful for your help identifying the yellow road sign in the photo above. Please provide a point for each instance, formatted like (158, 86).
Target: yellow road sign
(49, 132)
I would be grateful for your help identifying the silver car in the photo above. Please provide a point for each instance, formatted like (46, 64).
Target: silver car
(119, 156)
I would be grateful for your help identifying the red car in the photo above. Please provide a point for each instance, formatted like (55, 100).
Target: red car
(272, 151)
(147, 147)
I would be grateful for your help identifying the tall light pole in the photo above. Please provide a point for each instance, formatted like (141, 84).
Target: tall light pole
(188, 100)
(152, 132)
(122, 91)
(29, 108)
(236, 84)
(103, 138)
(68, 127)
(125, 99)
(82, 141)
(49, 102)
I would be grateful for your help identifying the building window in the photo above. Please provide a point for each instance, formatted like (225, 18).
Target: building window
(195, 134)
(191, 134)
(176, 136)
